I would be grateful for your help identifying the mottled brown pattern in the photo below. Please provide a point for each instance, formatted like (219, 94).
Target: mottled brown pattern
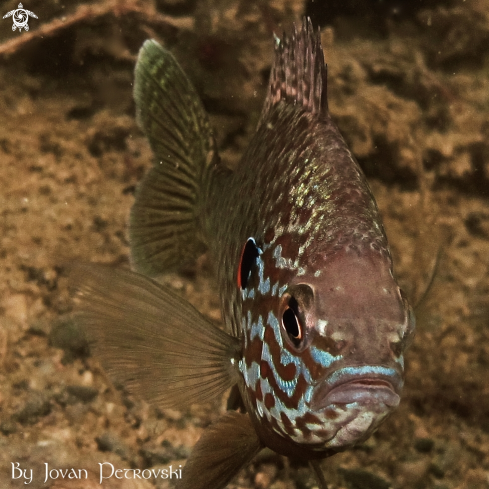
(331, 413)
(253, 352)
(269, 235)
(294, 162)
(287, 424)
(269, 401)
(301, 425)
(258, 392)
(265, 370)
(286, 372)
(299, 192)
(316, 370)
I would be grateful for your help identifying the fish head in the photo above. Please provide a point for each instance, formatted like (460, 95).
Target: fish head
(323, 345)
(358, 328)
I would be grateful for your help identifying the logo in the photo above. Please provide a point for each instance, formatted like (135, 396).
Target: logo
(20, 16)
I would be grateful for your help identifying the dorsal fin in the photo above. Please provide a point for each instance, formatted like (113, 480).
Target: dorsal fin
(299, 74)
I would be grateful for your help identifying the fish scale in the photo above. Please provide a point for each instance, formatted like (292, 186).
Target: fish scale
(317, 325)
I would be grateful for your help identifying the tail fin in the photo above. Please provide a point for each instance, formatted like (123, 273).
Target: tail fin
(164, 225)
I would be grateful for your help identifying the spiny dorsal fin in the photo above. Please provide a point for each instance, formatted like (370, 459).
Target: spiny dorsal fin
(299, 74)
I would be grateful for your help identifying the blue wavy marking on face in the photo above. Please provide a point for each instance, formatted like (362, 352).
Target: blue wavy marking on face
(273, 322)
(251, 374)
(280, 261)
(264, 286)
(247, 326)
(277, 254)
(305, 372)
(324, 358)
(286, 357)
(301, 271)
(257, 329)
(308, 394)
(248, 293)
(279, 407)
(281, 290)
(365, 370)
(287, 386)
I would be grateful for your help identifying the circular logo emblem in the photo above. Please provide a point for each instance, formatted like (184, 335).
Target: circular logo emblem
(20, 18)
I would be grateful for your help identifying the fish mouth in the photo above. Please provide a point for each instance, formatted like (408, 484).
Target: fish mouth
(370, 385)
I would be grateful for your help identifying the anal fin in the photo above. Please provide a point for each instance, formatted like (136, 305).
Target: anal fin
(221, 452)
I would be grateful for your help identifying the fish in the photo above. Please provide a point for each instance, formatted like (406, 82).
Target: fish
(315, 323)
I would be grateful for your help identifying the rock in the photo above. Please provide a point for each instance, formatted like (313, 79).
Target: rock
(110, 442)
(361, 479)
(15, 306)
(39, 328)
(164, 454)
(424, 445)
(66, 335)
(8, 427)
(83, 393)
(36, 406)
(265, 476)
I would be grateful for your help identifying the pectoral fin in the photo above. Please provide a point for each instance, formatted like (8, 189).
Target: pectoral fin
(150, 339)
(221, 452)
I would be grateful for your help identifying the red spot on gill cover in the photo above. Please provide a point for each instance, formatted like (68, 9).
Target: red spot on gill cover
(239, 279)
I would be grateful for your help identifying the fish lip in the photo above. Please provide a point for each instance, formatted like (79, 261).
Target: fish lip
(371, 385)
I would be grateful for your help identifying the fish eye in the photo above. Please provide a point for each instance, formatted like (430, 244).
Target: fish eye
(290, 321)
(247, 261)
